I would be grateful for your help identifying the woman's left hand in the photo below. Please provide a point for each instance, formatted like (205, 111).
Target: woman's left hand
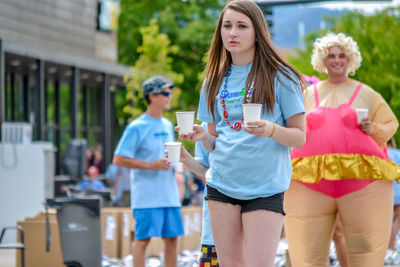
(264, 128)
(366, 126)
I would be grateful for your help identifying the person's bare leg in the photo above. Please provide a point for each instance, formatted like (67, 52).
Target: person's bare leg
(170, 252)
(340, 243)
(261, 233)
(138, 252)
(395, 227)
(226, 225)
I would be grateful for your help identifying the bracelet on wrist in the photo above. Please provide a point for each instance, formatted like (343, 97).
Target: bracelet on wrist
(273, 130)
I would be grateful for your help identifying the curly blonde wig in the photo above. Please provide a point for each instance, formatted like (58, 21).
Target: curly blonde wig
(349, 46)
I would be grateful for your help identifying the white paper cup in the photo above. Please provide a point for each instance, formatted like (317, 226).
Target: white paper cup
(174, 151)
(361, 114)
(185, 120)
(251, 112)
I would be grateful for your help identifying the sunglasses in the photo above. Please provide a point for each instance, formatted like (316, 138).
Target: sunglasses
(166, 94)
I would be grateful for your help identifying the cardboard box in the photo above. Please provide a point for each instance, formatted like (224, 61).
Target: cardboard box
(117, 235)
(126, 234)
(192, 220)
(110, 232)
(42, 215)
(35, 244)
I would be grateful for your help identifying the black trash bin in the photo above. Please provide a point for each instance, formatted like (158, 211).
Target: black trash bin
(79, 225)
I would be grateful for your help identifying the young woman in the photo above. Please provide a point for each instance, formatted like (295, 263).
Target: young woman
(250, 167)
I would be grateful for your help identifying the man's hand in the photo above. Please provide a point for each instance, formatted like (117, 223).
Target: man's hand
(366, 126)
(160, 164)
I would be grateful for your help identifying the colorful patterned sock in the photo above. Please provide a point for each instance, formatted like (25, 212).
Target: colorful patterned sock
(208, 256)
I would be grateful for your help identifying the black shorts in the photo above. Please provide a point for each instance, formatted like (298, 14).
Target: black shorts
(272, 203)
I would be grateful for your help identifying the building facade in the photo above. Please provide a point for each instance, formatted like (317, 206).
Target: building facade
(58, 71)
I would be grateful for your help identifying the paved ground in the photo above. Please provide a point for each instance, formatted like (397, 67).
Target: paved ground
(7, 259)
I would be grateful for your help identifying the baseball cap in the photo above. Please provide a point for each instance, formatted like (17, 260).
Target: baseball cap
(155, 85)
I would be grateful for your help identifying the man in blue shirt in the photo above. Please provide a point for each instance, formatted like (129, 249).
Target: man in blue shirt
(154, 194)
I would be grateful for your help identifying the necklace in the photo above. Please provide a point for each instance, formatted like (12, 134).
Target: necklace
(238, 125)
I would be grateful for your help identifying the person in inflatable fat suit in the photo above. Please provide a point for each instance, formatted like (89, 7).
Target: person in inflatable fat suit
(344, 167)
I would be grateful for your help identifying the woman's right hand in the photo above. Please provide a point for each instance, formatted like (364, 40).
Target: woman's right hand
(197, 134)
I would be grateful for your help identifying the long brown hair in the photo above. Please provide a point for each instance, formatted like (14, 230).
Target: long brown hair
(266, 63)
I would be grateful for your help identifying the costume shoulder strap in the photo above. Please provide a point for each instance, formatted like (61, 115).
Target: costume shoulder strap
(355, 93)
(316, 98)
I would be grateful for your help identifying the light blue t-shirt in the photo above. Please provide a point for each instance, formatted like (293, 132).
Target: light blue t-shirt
(201, 155)
(394, 154)
(244, 166)
(143, 139)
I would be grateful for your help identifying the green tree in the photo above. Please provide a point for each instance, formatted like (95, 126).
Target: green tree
(377, 36)
(189, 25)
(154, 59)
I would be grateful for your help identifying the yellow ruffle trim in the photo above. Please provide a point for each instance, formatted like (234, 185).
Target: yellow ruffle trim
(344, 166)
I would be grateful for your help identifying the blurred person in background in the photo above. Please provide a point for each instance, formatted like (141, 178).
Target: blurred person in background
(199, 166)
(180, 180)
(91, 183)
(392, 255)
(89, 159)
(122, 187)
(97, 159)
(155, 197)
(188, 185)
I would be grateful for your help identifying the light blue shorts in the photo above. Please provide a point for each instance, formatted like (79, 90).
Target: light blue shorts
(158, 222)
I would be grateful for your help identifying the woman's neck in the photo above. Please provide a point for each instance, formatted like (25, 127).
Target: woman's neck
(242, 59)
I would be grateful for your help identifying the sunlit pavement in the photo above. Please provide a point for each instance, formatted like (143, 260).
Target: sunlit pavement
(185, 259)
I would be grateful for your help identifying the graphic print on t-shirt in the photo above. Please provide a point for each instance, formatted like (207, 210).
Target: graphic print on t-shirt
(235, 98)
(160, 134)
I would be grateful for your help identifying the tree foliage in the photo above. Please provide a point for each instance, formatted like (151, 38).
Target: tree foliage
(189, 25)
(377, 36)
(153, 60)
(169, 37)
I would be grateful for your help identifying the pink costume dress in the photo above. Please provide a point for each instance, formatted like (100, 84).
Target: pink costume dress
(338, 158)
